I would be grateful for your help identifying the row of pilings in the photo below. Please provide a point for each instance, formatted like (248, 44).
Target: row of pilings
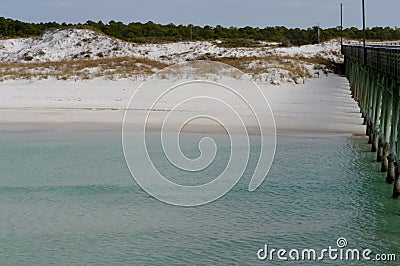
(378, 96)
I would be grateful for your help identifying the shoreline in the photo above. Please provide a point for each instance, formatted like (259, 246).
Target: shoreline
(321, 106)
(21, 127)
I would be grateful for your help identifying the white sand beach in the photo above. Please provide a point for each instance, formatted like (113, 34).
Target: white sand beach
(321, 105)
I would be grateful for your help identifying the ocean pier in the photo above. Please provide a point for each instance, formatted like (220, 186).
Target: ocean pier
(374, 75)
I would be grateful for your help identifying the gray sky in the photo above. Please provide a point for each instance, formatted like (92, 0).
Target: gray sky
(290, 13)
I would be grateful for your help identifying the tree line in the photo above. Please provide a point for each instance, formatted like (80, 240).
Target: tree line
(153, 32)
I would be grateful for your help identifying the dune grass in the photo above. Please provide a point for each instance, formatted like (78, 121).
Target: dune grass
(133, 67)
(111, 68)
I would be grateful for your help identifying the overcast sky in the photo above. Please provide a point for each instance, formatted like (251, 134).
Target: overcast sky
(290, 13)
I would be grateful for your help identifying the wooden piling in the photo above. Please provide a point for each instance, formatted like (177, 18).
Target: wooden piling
(379, 156)
(364, 92)
(393, 136)
(376, 115)
(387, 127)
(370, 111)
(396, 188)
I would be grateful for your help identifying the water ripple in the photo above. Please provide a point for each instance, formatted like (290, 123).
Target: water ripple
(319, 188)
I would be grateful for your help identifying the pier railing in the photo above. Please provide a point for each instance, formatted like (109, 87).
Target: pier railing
(381, 59)
(374, 76)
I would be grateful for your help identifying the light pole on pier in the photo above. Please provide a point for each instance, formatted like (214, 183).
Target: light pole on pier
(364, 33)
(341, 24)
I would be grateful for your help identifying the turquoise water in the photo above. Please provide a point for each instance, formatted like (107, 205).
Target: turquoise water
(67, 197)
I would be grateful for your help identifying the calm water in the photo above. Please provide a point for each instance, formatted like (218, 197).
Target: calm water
(67, 198)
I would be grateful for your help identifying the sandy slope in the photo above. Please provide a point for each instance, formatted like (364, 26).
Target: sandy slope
(34, 58)
(320, 106)
(80, 43)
